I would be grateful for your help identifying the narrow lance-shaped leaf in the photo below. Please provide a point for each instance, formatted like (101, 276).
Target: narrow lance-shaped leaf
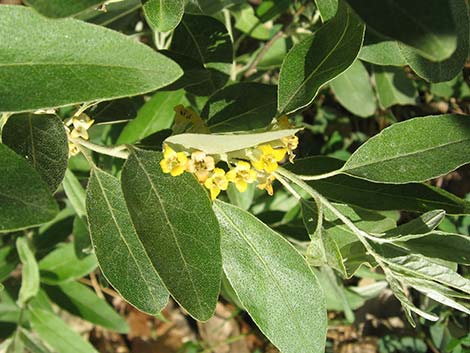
(414, 150)
(25, 199)
(376, 196)
(42, 140)
(163, 15)
(67, 61)
(220, 144)
(57, 333)
(318, 59)
(120, 253)
(175, 222)
(30, 273)
(272, 281)
(432, 32)
(63, 265)
(81, 301)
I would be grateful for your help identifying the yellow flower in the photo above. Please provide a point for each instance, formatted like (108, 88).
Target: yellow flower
(265, 182)
(73, 149)
(82, 121)
(173, 162)
(81, 124)
(242, 175)
(200, 164)
(290, 143)
(266, 157)
(79, 132)
(216, 182)
(187, 120)
(284, 123)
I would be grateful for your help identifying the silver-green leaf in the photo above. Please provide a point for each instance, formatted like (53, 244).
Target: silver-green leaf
(120, 253)
(273, 282)
(67, 61)
(414, 150)
(175, 222)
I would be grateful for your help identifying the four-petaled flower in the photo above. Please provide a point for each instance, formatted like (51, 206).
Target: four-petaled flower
(173, 162)
(290, 143)
(216, 182)
(200, 165)
(265, 157)
(242, 175)
(265, 182)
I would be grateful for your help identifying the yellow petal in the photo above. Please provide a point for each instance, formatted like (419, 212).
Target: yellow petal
(231, 175)
(243, 165)
(167, 151)
(177, 171)
(271, 167)
(164, 166)
(266, 149)
(219, 172)
(252, 176)
(223, 184)
(209, 183)
(279, 154)
(182, 158)
(241, 185)
(259, 164)
(215, 191)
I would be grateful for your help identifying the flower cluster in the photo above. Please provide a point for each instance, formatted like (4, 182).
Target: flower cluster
(258, 166)
(77, 127)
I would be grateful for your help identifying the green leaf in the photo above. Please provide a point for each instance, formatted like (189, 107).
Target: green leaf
(420, 225)
(270, 9)
(175, 222)
(81, 301)
(318, 59)
(63, 265)
(414, 150)
(42, 140)
(432, 33)
(220, 144)
(57, 333)
(155, 115)
(62, 8)
(121, 255)
(414, 265)
(327, 8)
(25, 199)
(440, 245)
(67, 61)
(248, 23)
(272, 281)
(444, 70)
(163, 15)
(31, 343)
(394, 87)
(29, 274)
(8, 261)
(205, 41)
(376, 196)
(242, 106)
(381, 51)
(211, 7)
(353, 89)
(76, 195)
(457, 87)
(312, 216)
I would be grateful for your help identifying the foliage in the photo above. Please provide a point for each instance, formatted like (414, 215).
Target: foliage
(208, 150)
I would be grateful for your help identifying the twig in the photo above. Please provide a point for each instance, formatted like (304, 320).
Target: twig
(252, 68)
(107, 291)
